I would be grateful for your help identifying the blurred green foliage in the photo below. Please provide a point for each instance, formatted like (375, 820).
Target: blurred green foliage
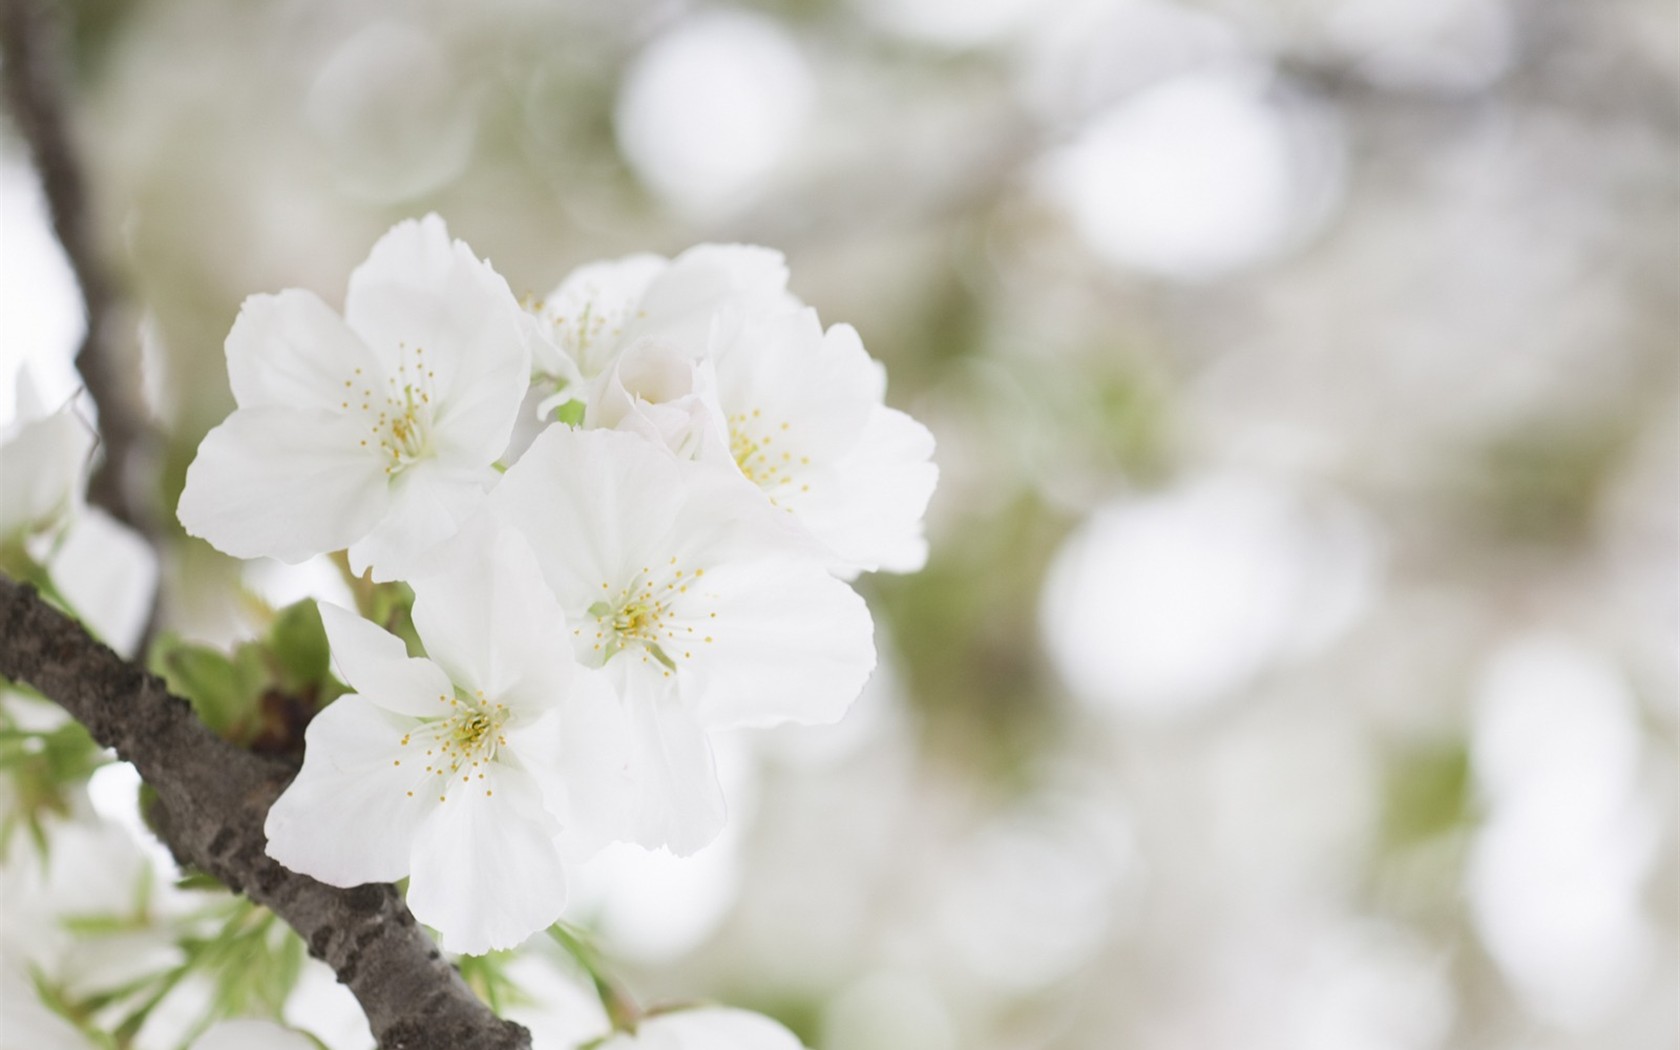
(1426, 794)
(45, 768)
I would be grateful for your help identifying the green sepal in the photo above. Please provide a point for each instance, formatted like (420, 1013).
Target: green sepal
(570, 413)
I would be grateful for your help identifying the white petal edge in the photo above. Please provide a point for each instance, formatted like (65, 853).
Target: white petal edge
(349, 816)
(282, 484)
(485, 870)
(871, 514)
(291, 350)
(375, 663)
(790, 644)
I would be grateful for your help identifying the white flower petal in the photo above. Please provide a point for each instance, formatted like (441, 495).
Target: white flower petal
(586, 316)
(474, 421)
(784, 369)
(108, 574)
(486, 873)
(564, 494)
(429, 504)
(376, 664)
(493, 624)
(678, 802)
(291, 350)
(680, 305)
(283, 484)
(789, 643)
(869, 509)
(420, 292)
(580, 755)
(350, 815)
(643, 507)
(665, 396)
(41, 469)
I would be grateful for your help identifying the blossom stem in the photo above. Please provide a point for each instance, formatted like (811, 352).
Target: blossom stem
(621, 1009)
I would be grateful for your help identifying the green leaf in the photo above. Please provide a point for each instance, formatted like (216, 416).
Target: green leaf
(210, 681)
(198, 880)
(94, 925)
(487, 976)
(299, 644)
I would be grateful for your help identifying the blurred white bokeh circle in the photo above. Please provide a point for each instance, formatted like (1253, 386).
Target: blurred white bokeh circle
(1557, 874)
(394, 115)
(1168, 602)
(709, 109)
(1199, 175)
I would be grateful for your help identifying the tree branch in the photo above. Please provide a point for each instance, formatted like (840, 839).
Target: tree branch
(214, 798)
(34, 56)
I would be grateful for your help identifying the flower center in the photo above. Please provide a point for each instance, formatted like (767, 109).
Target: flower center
(457, 746)
(753, 444)
(590, 335)
(638, 621)
(400, 420)
(641, 617)
(470, 733)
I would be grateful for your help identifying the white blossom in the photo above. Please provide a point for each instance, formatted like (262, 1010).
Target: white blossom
(807, 423)
(376, 431)
(698, 602)
(458, 770)
(710, 356)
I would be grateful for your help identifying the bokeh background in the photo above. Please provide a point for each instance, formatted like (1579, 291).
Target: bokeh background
(1296, 664)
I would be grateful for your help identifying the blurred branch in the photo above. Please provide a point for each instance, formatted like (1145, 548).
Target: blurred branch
(214, 798)
(35, 55)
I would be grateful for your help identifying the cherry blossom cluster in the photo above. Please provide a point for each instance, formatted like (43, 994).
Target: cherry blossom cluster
(629, 514)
